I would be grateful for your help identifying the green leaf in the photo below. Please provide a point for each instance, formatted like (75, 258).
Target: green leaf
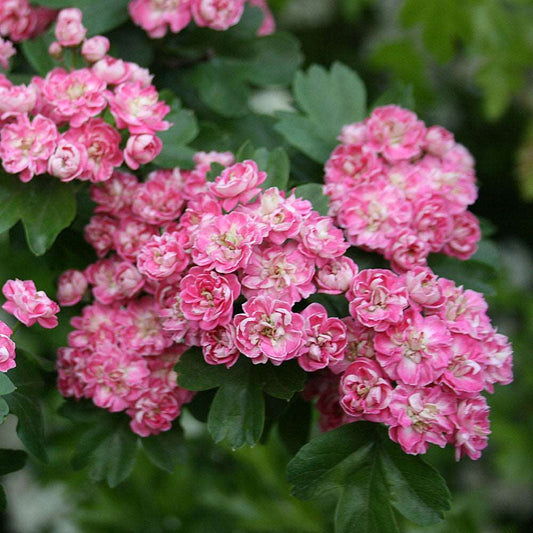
(11, 461)
(183, 130)
(114, 459)
(277, 169)
(364, 476)
(314, 193)
(99, 16)
(195, 374)
(6, 385)
(400, 94)
(245, 151)
(294, 424)
(215, 169)
(330, 99)
(166, 449)
(303, 134)
(3, 500)
(36, 52)
(30, 427)
(45, 205)
(281, 381)
(471, 274)
(276, 58)
(237, 413)
(222, 88)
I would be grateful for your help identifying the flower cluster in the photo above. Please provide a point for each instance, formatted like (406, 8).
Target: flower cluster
(402, 189)
(19, 20)
(156, 17)
(56, 124)
(420, 351)
(187, 262)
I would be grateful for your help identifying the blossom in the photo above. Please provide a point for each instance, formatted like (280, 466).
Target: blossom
(268, 330)
(25, 146)
(71, 287)
(156, 17)
(69, 30)
(29, 305)
(7, 348)
(68, 161)
(95, 48)
(162, 255)
(7, 50)
(218, 346)
(207, 297)
(217, 14)
(142, 149)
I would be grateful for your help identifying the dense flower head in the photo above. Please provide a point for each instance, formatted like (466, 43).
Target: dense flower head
(244, 272)
(402, 189)
(60, 124)
(19, 20)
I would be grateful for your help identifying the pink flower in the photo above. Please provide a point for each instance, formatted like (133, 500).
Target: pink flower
(268, 330)
(95, 48)
(204, 159)
(407, 251)
(365, 392)
(281, 272)
(218, 346)
(20, 21)
(156, 17)
(72, 97)
(438, 141)
(16, 99)
(377, 298)
(138, 108)
(115, 195)
(162, 256)
(420, 416)
(25, 146)
(7, 348)
(68, 161)
(321, 238)
(69, 29)
(29, 305)
(111, 70)
(225, 242)
(423, 288)
(130, 237)
(159, 199)
(335, 276)
(415, 351)
(154, 412)
(464, 238)
(7, 50)
(395, 132)
(71, 287)
(99, 233)
(325, 339)
(142, 149)
(472, 427)
(207, 297)
(238, 184)
(102, 143)
(217, 14)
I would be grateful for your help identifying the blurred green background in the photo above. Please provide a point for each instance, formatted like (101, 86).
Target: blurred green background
(470, 66)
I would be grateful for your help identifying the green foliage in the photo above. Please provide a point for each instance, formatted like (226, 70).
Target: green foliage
(10, 461)
(45, 205)
(367, 478)
(328, 100)
(315, 194)
(167, 449)
(237, 413)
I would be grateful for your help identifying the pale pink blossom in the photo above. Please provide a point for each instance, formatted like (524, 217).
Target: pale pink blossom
(218, 346)
(71, 287)
(69, 30)
(95, 48)
(72, 97)
(7, 348)
(204, 159)
(321, 238)
(157, 16)
(217, 14)
(16, 99)
(111, 70)
(472, 427)
(142, 149)
(336, 275)
(268, 330)
(7, 50)
(68, 161)
(325, 339)
(238, 184)
(25, 146)
(28, 305)
(138, 108)
(377, 298)
(365, 392)
(465, 236)
(207, 297)
(130, 236)
(100, 232)
(423, 287)
(102, 143)
(162, 256)
(115, 195)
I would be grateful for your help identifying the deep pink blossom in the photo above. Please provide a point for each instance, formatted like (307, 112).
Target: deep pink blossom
(157, 16)
(7, 348)
(28, 305)
(217, 14)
